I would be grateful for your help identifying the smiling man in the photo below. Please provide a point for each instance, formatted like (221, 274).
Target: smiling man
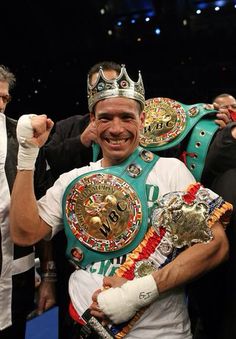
(106, 211)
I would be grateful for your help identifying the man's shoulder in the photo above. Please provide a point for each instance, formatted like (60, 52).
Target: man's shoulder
(11, 121)
(11, 126)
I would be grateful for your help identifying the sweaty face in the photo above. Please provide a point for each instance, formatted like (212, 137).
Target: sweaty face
(118, 122)
(4, 95)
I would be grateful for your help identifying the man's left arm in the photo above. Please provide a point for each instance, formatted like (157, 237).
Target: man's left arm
(187, 266)
(194, 261)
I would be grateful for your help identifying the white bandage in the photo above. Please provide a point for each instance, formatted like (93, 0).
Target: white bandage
(27, 152)
(121, 303)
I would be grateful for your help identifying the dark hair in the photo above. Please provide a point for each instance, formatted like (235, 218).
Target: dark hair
(106, 66)
(7, 76)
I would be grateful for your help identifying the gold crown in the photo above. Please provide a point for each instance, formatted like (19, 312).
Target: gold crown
(122, 86)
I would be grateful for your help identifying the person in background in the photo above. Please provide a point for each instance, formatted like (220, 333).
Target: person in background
(214, 295)
(17, 272)
(116, 105)
(227, 102)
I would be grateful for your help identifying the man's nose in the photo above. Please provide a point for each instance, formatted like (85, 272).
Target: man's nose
(117, 125)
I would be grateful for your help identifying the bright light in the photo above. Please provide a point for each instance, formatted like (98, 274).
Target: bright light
(133, 21)
(157, 31)
(102, 11)
(139, 39)
(185, 22)
(198, 11)
(147, 19)
(109, 32)
(119, 23)
(217, 8)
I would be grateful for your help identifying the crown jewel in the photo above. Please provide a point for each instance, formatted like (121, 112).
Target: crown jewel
(122, 86)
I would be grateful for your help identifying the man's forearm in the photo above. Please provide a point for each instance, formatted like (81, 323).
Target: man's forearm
(24, 217)
(193, 262)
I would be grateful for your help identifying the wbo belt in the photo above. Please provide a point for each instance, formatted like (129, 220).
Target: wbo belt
(105, 212)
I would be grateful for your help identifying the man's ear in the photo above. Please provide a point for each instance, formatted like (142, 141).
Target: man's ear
(142, 118)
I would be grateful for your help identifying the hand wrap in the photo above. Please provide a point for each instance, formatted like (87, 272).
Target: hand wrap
(121, 303)
(27, 152)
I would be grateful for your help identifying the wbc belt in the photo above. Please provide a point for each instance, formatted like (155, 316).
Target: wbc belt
(105, 212)
(169, 122)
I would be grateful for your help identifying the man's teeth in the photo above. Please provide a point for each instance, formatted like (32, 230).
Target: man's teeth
(116, 142)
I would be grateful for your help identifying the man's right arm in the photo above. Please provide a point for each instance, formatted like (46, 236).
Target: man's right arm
(26, 226)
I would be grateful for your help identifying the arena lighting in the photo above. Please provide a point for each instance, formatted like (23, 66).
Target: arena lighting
(206, 4)
(220, 3)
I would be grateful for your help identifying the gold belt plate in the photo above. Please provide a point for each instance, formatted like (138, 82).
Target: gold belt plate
(165, 120)
(103, 211)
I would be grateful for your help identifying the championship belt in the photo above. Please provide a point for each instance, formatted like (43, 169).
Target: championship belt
(179, 220)
(105, 212)
(168, 122)
(198, 144)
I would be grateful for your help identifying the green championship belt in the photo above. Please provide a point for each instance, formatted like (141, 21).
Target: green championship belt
(198, 145)
(168, 122)
(105, 212)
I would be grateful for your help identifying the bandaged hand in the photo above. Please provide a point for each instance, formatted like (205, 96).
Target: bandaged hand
(30, 137)
(121, 303)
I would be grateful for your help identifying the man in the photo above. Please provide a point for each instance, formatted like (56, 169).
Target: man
(17, 273)
(105, 210)
(227, 102)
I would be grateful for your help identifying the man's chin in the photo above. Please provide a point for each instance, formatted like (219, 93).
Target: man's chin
(119, 157)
